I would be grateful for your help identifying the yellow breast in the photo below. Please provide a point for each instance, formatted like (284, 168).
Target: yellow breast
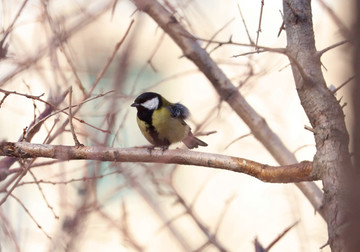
(168, 128)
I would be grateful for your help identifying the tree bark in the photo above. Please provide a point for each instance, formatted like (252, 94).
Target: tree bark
(353, 241)
(332, 159)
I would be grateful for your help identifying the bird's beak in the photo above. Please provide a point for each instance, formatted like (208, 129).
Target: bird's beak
(135, 105)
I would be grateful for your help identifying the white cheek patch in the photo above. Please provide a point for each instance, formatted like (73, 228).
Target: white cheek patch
(151, 104)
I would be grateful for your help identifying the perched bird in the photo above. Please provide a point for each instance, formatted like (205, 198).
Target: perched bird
(163, 123)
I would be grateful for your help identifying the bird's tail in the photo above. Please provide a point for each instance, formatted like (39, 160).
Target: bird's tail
(192, 142)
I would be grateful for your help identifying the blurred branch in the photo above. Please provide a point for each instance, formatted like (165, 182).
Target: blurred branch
(343, 29)
(260, 248)
(137, 184)
(32, 60)
(245, 26)
(276, 174)
(31, 216)
(96, 81)
(3, 45)
(10, 233)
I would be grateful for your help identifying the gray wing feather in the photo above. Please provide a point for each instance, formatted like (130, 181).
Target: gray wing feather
(180, 111)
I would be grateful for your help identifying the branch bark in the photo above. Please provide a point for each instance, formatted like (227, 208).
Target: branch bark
(276, 174)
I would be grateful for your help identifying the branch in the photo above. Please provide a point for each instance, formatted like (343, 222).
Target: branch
(275, 174)
(260, 19)
(320, 53)
(332, 159)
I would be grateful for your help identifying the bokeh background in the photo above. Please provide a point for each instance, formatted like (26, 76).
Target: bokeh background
(83, 205)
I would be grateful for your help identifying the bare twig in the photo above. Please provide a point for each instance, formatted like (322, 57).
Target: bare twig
(31, 216)
(309, 129)
(223, 213)
(77, 143)
(258, 47)
(44, 118)
(11, 26)
(259, 28)
(320, 53)
(303, 146)
(41, 181)
(211, 238)
(149, 61)
(343, 84)
(282, 27)
(281, 235)
(237, 139)
(159, 211)
(217, 32)
(43, 194)
(246, 29)
(5, 223)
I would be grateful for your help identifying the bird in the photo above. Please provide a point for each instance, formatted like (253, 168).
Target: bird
(163, 123)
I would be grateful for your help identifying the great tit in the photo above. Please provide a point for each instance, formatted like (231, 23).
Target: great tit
(162, 122)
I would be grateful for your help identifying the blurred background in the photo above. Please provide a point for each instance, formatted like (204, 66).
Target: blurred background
(49, 46)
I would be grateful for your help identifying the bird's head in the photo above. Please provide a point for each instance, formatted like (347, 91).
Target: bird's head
(148, 101)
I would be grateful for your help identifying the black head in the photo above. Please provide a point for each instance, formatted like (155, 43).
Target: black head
(148, 101)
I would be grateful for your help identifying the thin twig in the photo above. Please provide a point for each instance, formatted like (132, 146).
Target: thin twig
(106, 66)
(246, 29)
(77, 143)
(73, 106)
(280, 236)
(302, 147)
(43, 195)
(282, 27)
(223, 213)
(41, 181)
(31, 216)
(148, 62)
(343, 84)
(230, 42)
(320, 53)
(11, 26)
(259, 28)
(18, 177)
(217, 32)
(237, 139)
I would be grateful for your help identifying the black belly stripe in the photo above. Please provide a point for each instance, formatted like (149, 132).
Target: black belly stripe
(155, 136)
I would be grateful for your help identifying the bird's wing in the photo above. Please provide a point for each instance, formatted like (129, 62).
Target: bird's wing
(179, 111)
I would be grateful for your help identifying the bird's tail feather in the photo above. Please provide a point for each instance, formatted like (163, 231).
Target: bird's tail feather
(192, 142)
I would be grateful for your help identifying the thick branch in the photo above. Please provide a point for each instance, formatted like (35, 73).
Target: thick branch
(332, 159)
(276, 174)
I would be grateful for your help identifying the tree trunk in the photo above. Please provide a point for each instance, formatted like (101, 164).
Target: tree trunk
(332, 159)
